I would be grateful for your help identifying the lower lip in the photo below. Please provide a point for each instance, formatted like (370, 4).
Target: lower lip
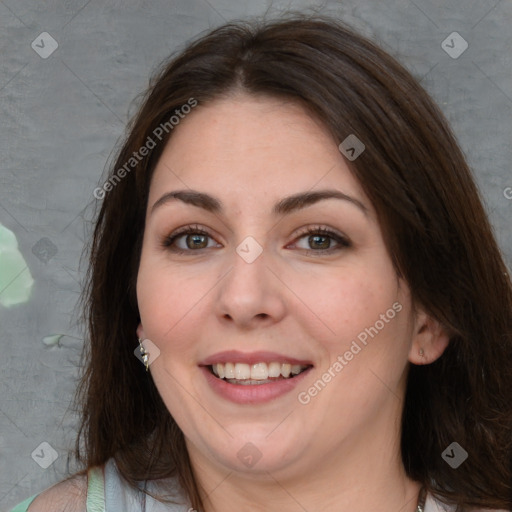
(252, 394)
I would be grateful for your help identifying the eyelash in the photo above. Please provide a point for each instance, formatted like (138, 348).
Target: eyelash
(343, 242)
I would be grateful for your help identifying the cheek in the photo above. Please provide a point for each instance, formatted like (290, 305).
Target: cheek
(365, 348)
(339, 306)
(172, 303)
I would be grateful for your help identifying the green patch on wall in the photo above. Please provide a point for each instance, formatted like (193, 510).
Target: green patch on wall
(15, 279)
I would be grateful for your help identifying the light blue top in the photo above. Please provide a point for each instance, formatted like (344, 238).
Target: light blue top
(108, 492)
(120, 497)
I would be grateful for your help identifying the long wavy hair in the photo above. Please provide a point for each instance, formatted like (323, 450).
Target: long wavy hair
(435, 228)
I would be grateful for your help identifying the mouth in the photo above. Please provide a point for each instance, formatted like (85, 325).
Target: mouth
(256, 374)
(253, 377)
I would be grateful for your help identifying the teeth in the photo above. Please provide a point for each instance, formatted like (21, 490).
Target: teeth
(220, 370)
(274, 369)
(229, 370)
(259, 371)
(256, 372)
(295, 369)
(285, 370)
(242, 371)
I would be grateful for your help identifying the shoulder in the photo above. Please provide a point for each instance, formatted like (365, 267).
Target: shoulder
(69, 495)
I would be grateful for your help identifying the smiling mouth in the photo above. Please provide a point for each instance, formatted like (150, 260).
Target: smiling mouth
(256, 374)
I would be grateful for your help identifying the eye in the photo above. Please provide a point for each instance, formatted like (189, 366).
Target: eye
(322, 240)
(189, 239)
(194, 238)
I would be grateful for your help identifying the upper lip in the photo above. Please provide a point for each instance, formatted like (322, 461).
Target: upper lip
(235, 356)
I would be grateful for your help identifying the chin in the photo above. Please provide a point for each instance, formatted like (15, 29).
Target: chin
(258, 453)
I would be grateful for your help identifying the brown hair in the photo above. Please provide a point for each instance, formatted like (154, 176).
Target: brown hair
(435, 228)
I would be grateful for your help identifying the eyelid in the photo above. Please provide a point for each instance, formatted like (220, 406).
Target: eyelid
(168, 240)
(319, 228)
(340, 238)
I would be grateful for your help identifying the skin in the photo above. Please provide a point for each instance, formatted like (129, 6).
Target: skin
(341, 450)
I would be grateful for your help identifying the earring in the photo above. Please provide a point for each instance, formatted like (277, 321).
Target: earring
(144, 355)
(421, 352)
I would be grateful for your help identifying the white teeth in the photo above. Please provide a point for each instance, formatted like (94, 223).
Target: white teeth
(259, 371)
(295, 369)
(229, 370)
(220, 370)
(256, 372)
(242, 371)
(274, 369)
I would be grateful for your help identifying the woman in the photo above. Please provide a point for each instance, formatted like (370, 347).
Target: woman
(293, 236)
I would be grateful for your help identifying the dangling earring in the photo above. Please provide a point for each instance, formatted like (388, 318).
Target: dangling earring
(144, 355)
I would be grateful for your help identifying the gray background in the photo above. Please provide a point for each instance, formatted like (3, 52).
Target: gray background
(62, 116)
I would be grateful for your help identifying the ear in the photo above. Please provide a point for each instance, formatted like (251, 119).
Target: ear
(429, 341)
(140, 332)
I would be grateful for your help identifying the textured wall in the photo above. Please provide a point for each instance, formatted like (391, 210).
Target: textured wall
(62, 113)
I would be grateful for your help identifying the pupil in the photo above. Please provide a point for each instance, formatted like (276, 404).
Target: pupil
(313, 239)
(197, 240)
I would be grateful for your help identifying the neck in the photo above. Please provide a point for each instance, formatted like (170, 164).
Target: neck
(272, 494)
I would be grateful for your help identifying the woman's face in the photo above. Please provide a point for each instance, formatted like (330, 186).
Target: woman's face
(272, 277)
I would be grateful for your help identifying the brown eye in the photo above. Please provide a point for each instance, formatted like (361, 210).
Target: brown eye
(196, 241)
(321, 240)
(189, 239)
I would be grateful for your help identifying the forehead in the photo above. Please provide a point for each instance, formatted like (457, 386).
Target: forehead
(261, 145)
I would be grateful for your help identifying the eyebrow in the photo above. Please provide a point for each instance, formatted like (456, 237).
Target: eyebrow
(285, 206)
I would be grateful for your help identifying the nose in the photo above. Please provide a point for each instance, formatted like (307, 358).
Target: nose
(250, 294)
